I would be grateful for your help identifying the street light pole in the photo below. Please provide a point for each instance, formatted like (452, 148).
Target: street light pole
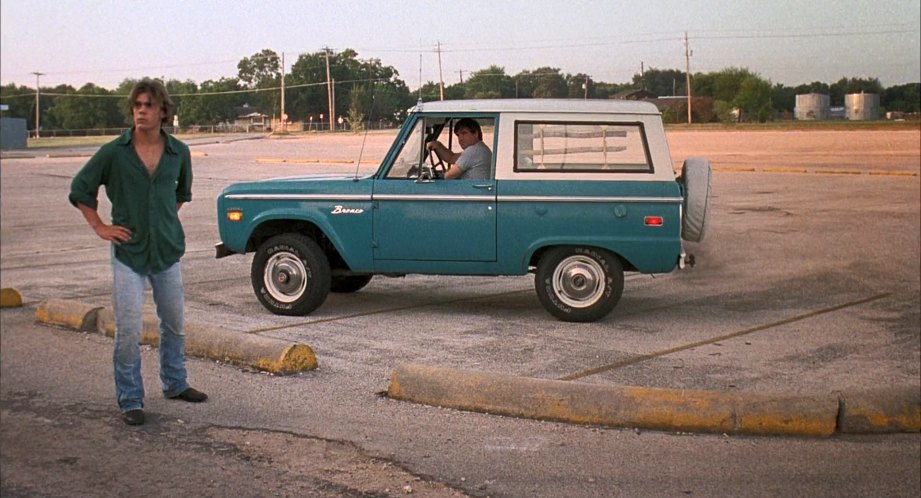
(687, 72)
(37, 92)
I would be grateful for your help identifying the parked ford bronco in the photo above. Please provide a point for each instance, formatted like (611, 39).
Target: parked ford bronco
(578, 193)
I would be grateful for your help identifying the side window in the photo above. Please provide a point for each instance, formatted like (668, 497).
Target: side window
(581, 147)
(413, 158)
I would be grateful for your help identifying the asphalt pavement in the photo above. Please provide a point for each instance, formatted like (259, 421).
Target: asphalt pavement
(801, 318)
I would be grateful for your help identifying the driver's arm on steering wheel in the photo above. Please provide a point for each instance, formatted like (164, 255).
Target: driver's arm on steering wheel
(443, 152)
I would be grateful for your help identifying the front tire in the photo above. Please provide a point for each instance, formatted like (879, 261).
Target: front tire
(290, 275)
(579, 284)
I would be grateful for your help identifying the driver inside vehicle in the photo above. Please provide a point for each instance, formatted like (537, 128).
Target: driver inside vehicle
(473, 162)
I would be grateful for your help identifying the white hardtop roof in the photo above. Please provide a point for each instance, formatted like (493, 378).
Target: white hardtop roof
(579, 106)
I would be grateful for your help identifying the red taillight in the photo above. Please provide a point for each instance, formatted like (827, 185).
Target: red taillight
(653, 221)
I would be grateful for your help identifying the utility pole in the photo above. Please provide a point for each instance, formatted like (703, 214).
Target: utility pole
(642, 76)
(284, 117)
(37, 92)
(461, 72)
(329, 94)
(687, 71)
(585, 85)
(441, 79)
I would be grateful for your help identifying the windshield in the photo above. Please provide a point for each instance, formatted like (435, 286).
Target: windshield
(407, 162)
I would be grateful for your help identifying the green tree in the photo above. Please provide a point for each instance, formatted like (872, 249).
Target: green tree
(721, 85)
(754, 98)
(489, 83)
(783, 98)
(261, 72)
(89, 107)
(215, 103)
(454, 92)
(549, 84)
(724, 112)
(180, 92)
(358, 101)
(847, 86)
(524, 82)
(21, 100)
(580, 86)
(814, 87)
(902, 98)
(309, 97)
(661, 81)
(429, 92)
(607, 90)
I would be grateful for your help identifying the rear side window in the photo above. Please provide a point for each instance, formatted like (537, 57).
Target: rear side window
(581, 147)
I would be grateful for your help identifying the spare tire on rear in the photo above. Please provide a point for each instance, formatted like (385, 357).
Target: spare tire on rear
(695, 175)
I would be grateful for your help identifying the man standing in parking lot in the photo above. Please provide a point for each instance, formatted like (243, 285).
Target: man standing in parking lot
(475, 160)
(147, 174)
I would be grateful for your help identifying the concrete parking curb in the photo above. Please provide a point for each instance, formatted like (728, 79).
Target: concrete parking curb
(247, 350)
(896, 410)
(71, 314)
(10, 298)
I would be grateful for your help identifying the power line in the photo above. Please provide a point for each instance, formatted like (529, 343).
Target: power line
(653, 37)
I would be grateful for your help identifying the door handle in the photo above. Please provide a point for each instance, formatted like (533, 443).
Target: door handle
(486, 186)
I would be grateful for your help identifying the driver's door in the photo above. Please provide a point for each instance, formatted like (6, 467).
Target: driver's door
(423, 219)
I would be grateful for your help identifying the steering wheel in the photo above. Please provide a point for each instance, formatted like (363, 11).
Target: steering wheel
(438, 166)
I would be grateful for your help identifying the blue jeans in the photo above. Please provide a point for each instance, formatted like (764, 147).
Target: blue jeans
(128, 301)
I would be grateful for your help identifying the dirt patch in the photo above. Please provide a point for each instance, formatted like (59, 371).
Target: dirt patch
(75, 450)
(815, 150)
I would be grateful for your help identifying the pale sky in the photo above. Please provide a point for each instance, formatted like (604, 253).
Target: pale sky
(786, 41)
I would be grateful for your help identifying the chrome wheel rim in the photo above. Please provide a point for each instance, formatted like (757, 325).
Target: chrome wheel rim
(285, 277)
(578, 281)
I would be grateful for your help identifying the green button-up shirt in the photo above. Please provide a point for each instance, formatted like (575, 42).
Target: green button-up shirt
(141, 202)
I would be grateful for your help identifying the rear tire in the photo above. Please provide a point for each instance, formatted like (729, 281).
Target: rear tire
(579, 284)
(290, 275)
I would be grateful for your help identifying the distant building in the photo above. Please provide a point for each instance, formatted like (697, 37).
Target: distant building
(811, 107)
(634, 94)
(13, 134)
(861, 106)
(250, 118)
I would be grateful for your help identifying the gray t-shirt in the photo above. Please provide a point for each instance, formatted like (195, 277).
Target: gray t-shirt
(475, 162)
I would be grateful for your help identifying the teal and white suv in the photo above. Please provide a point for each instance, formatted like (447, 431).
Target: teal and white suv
(579, 192)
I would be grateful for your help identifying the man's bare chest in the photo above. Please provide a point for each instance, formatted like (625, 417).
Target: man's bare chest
(150, 156)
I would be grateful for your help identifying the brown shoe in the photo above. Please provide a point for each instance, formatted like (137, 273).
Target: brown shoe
(191, 395)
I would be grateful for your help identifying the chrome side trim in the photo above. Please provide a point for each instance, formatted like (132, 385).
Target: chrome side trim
(555, 198)
(455, 198)
(299, 197)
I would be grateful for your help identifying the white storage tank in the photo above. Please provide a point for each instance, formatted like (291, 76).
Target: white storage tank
(861, 106)
(811, 106)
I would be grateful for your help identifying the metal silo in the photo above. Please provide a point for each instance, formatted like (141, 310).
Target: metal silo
(861, 106)
(811, 106)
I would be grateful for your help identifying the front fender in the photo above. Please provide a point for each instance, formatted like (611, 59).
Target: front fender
(348, 228)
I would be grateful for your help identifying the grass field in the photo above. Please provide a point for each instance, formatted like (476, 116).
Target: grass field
(65, 142)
